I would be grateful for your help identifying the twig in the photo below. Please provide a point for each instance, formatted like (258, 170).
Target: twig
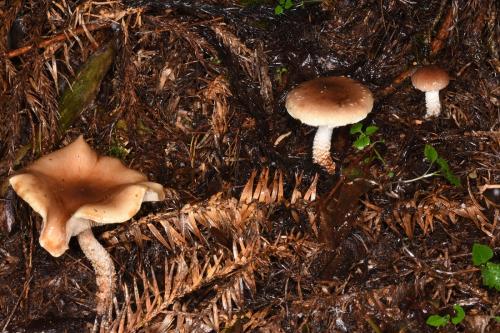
(443, 32)
(25, 288)
(57, 38)
(434, 23)
(396, 82)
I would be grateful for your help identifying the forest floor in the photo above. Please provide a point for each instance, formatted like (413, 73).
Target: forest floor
(254, 237)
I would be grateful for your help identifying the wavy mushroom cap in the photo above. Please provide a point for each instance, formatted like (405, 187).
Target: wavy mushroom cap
(430, 78)
(73, 188)
(329, 101)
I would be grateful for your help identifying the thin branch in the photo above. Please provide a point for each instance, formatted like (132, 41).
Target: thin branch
(444, 31)
(396, 82)
(56, 39)
(25, 289)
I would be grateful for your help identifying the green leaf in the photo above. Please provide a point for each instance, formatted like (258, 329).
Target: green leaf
(371, 129)
(443, 164)
(288, 4)
(481, 254)
(446, 172)
(430, 153)
(459, 314)
(278, 10)
(438, 321)
(118, 151)
(362, 141)
(454, 180)
(491, 275)
(85, 86)
(497, 318)
(356, 128)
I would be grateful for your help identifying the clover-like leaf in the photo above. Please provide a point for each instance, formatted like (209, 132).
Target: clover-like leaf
(491, 275)
(438, 321)
(481, 254)
(459, 314)
(278, 10)
(371, 130)
(362, 141)
(356, 128)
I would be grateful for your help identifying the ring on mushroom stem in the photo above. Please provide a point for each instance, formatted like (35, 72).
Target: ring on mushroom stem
(326, 103)
(431, 79)
(74, 189)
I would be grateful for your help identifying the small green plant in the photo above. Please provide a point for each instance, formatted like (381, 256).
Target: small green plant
(490, 271)
(363, 139)
(433, 157)
(438, 321)
(118, 150)
(441, 321)
(282, 6)
(280, 71)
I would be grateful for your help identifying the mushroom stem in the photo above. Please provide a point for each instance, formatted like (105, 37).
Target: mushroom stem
(103, 266)
(432, 103)
(321, 148)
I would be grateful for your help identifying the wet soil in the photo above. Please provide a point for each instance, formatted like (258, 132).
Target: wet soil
(195, 100)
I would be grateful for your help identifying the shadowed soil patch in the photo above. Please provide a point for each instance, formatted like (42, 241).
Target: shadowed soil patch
(253, 237)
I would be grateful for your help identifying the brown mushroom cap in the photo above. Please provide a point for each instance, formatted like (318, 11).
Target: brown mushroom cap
(329, 101)
(74, 188)
(430, 78)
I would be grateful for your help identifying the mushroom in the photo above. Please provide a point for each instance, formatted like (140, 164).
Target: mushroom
(491, 193)
(431, 79)
(328, 102)
(74, 189)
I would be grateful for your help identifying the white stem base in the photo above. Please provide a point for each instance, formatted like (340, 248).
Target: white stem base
(321, 148)
(104, 269)
(432, 103)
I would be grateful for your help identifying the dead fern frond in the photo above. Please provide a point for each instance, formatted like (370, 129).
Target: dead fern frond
(424, 212)
(253, 62)
(216, 250)
(217, 92)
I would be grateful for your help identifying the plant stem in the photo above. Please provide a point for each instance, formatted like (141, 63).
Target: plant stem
(379, 156)
(425, 175)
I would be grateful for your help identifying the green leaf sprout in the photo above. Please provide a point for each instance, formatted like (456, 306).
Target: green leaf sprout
(481, 254)
(433, 157)
(363, 139)
(490, 271)
(459, 314)
(441, 321)
(438, 321)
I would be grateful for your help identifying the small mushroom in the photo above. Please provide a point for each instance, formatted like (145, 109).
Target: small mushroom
(74, 189)
(431, 79)
(491, 193)
(328, 102)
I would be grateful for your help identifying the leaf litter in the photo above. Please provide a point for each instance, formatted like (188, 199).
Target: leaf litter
(253, 236)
